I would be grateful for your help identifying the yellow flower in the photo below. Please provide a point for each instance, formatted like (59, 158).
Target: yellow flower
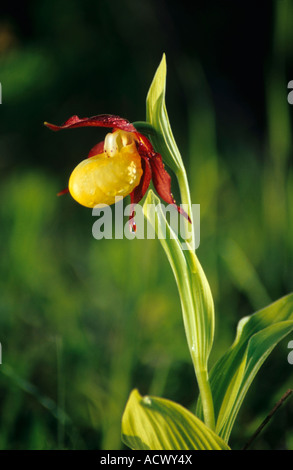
(123, 164)
(114, 172)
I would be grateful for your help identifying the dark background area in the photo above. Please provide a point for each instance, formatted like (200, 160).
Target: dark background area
(82, 322)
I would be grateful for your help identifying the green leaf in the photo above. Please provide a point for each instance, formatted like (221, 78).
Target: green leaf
(156, 114)
(159, 131)
(195, 296)
(233, 374)
(194, 290)
(151, 423)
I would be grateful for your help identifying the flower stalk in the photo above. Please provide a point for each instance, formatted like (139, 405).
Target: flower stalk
(195, 295)
(201, 367)
(194, 312)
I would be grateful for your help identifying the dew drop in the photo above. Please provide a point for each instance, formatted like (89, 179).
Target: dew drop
(147, 401)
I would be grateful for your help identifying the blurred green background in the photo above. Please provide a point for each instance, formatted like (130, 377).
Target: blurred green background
(83, 321)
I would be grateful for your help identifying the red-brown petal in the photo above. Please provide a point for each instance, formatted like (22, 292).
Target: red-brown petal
(161, 179)
(140, 190)
(162, 182)
(144, 145)
(102, 120)
(64, 191)
(144, 183)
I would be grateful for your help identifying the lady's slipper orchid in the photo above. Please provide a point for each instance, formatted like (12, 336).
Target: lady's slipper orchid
(123, 164)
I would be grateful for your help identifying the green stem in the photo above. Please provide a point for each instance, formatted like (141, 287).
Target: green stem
(195, 296)
(206, 397)
(191, 325)
(201, 370)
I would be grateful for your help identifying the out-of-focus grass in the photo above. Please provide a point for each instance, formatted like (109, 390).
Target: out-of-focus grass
(83, 321)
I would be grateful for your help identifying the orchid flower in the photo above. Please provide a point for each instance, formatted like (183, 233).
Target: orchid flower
(123, 164)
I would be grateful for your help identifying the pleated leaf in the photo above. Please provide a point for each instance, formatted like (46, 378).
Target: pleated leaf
(233, 374)
(151, 423)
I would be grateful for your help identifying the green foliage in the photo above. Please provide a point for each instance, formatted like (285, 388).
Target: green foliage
(233, 374)
(156, 115)
(257, 335)
(158, 424)
(195, 295)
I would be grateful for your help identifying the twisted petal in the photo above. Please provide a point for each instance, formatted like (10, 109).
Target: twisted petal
(140, 190)
(102, 120)
(161, 179)
(137, 194)
(64, 191)
(162, 182)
